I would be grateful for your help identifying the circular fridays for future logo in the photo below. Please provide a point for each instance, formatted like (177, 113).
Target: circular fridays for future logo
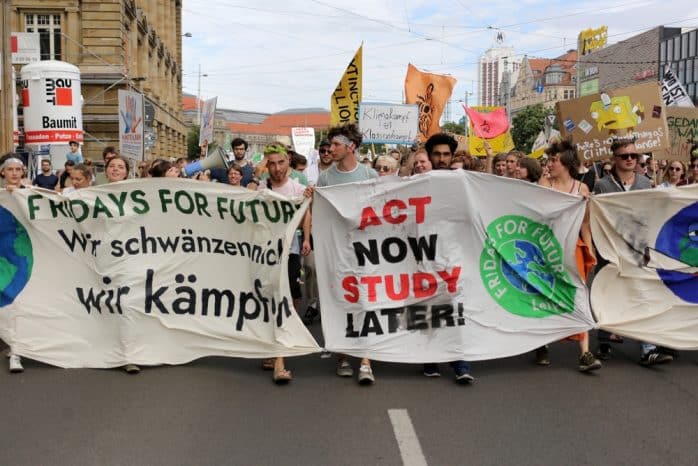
(16, 257)
(522, 268)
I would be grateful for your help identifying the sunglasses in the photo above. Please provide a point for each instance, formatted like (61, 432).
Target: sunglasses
(324, 151)
(676, 169)
(382, 168)
(695, 165)
(628, 156)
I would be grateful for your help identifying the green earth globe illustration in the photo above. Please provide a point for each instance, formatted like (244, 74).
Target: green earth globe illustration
(16, 257)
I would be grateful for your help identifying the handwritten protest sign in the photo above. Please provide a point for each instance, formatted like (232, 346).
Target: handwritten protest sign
(499, 144)
(388, 123)
(594, 121)
(148, 272)
(683, 133)
(408, 275)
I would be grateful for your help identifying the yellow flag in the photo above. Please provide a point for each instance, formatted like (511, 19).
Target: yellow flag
(344, 103)
(502, 143)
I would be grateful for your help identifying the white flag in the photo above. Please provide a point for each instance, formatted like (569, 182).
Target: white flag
(673, 92)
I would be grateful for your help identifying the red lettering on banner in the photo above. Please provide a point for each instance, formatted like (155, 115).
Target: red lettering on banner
(57, 135)
(420, 284)
(393, 212)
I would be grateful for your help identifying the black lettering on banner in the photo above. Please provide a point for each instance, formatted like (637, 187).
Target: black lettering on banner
(394, 249)
(412, 318)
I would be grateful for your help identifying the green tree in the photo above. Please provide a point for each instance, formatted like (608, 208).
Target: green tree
(527, 124)
(193, 143)
(453, 127)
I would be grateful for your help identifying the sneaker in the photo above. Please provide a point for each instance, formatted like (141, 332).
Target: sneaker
(588, 362)
(132, 369)
(366, 375)
(542, 356)
(605, 351)
(344, 369)
(431, 370)
(655, 357)
(464, 378)
(15, 364)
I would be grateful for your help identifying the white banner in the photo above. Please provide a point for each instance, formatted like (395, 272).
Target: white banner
(447, 266)
(25, 47)
(208, 115)
(649, 290)
(673, 92)
(388, 123)
(131, 124)
(158, 271)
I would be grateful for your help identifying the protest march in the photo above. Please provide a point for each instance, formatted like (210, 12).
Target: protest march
(438, 250)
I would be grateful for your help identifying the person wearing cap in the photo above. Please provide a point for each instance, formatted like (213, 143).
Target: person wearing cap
(12, 172)
(74, 154)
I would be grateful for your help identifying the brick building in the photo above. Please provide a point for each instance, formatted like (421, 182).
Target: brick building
(117, 44)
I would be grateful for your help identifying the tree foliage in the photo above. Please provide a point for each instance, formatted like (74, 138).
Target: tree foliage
(526, 125)
(193, 143)
(453, 127)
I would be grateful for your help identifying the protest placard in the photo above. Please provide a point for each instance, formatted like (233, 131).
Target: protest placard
(131, 124)
(431, 93)
(408, 275)
(595, 121)
(161, 271)
(208, 116)
(500, 144)
(344, 102)
(388, 123)
(683, 133)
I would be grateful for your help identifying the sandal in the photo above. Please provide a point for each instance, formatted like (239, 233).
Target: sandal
(282, 376)
(268, 364)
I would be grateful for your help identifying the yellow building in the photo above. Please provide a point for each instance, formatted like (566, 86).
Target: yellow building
(117, 44)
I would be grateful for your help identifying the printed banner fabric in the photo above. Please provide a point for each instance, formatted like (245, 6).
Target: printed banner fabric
(344, 102)
(431, 93)
(649, 289)
(148, 272)
(406, 274)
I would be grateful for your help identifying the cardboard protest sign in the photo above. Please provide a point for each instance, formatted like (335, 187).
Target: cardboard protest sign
(408, 275)
(161, 271)
(594, 121)
(388, 123)
(499, 144)
(683, 133)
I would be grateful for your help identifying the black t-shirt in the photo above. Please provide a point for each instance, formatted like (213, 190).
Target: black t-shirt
(46, 181)
(64, 177)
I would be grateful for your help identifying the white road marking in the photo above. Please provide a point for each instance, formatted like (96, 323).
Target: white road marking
(407, 441)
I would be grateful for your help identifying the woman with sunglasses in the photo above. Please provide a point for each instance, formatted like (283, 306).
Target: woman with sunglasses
(674, 175)
(691, 173)
(385, 165)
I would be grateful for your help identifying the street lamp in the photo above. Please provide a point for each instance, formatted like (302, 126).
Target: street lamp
(187, 34)
(198, 98)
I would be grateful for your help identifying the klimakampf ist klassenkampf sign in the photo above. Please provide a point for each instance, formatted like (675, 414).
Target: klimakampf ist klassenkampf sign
(148, 272)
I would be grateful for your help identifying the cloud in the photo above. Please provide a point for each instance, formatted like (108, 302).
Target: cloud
(273, 55)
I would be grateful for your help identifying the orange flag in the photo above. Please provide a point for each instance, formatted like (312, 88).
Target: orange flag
(430, 92)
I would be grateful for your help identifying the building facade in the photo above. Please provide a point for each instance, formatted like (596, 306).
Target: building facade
(117, 44)
(544, 81)
(626, 63)
(680, 51)
(491, 67)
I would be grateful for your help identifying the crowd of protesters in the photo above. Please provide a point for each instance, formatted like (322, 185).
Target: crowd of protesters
(337, 161)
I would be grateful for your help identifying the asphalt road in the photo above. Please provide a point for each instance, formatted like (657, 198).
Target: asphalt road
(227, 411)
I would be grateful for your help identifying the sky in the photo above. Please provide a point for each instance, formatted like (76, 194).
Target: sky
(272, 55)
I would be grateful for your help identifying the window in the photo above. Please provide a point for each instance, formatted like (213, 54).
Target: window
(677, 47)
(568, 94)
(684, 45)
(662, 52)
(695, 70)
(689, 70)
(692, 43)
(49, 28)
(554, 74)
(669, 50)
(682, 72)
